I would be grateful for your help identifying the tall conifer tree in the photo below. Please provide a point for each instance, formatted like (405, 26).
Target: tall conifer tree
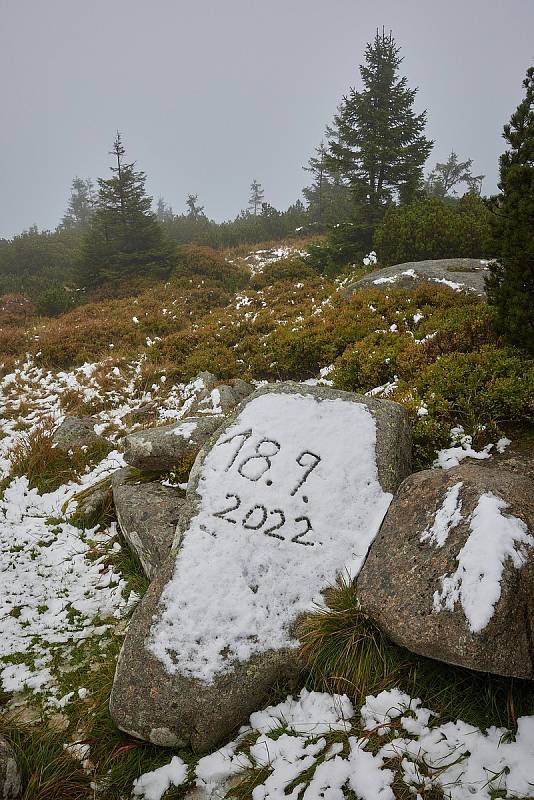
(377, 141)
(124, 237)
(511, 281)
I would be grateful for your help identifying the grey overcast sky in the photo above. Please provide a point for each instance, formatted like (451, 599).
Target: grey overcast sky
(212, 93)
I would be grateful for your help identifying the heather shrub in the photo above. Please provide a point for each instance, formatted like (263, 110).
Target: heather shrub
(207, 264)
(434, 228)
(287, 269)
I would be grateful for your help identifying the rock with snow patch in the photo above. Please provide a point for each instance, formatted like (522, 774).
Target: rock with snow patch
(147, 513)
(451, 573)
(162, 449)
(461, 274)
(285, 496)
(77, 432)
(10, 783)
(223, 397)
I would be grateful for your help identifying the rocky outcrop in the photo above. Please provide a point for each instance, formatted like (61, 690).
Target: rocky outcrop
(451, 573)
(461, 274)
(286, 495)
(10, 782)
(147, 514)
(162, 449)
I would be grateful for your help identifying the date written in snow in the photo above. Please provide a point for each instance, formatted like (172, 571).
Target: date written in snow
(253, 468)
(256, 518)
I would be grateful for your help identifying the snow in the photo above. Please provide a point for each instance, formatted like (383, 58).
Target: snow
(451, 284)
(453, 758)
(448, 516)
(370, 259)
(184, 431)
(392, 279)
(153, 785)
(312, 713)
(494, 539)
(264, 541)
(46, 576)
(502, 444)
(461, 448)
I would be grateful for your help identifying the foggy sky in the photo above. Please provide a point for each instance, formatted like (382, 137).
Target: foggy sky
(210, 94)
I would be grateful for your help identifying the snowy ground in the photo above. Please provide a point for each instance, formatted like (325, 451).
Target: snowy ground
(319, 747)
(58, 590)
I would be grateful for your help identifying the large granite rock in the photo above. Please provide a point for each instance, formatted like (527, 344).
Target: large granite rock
(451, 573)
(77, 432)
(162, 449)
(10, 783)
(147, 514)
(461, 274)
(283, 498)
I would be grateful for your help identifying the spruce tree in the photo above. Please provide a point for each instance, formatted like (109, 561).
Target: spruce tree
(124, 237)
(81, 204)
(445, 176)
(256, 196)
(194, 210)
(329, 200)
(377, 141)
(511, 282)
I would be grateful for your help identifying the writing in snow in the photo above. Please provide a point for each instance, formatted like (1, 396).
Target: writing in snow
(287, 494)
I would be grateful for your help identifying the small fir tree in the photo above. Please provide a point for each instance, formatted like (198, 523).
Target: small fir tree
(81, 206)
(447, 175)
(194, 210)
(124, 237)
(511, 281)
(256, 197)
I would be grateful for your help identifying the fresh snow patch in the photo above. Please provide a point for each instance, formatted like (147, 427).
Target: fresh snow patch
(451, 284)
(185, 430)
(264, 526)
(392, 279)
(447, 517)
(370, 259)
(461, 448)
(502, 444)
(312, 713)
(476, 582)
(153, 785)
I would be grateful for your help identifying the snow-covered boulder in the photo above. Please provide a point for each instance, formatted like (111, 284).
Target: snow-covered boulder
(460, 274)
(451, 573)
(10, 784)
(147, 514)
(285, 496)
(161, 449)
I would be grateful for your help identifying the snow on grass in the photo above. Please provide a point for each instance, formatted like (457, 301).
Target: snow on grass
(331, 751)
(53, 592)
(494, 539)
(264, 540)
(461, 447)
(153, 785)
(259, 259)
